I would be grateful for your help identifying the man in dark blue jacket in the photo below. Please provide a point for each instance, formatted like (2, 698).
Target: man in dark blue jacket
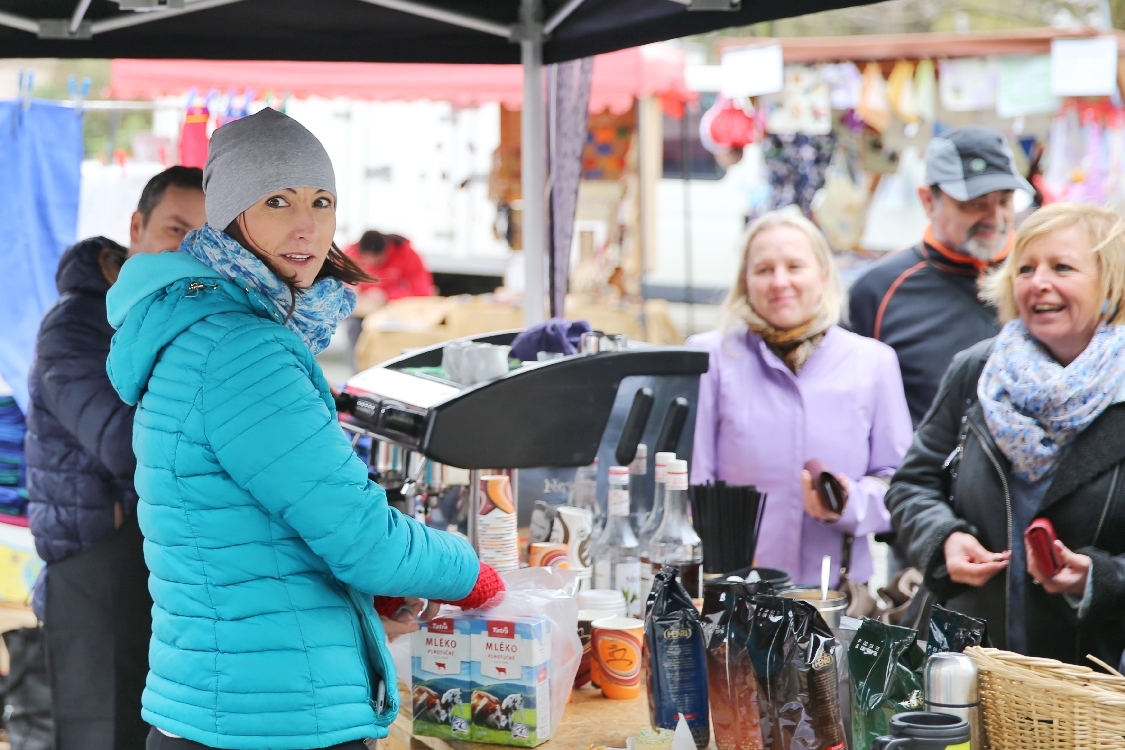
(93, 595)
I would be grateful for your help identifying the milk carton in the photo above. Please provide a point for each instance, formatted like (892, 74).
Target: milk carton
(511, 664)
(442, 678)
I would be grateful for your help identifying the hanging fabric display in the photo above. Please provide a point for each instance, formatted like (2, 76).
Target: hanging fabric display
(803, 106)
(968, 84)
(874, 109)
(925, 90)
(796, 165)
(193, 136)
(568, 117)
(900, 91)
(1086, 155)
(40, 163)
(840, 207)
(845, 84)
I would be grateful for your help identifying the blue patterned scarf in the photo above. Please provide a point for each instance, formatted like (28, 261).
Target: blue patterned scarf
(1035, 407)
(318, 308)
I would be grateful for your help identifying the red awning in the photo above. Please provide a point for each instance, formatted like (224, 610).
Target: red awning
(619, 78)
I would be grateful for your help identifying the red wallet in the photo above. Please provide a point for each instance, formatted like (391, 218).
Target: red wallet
(1041, 539)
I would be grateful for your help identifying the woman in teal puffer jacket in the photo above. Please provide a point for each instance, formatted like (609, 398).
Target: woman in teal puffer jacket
(265, 537)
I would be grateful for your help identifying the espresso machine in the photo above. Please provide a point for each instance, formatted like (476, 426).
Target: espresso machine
(430, 436)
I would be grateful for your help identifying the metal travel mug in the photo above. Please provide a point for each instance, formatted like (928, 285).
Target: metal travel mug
(953, 687)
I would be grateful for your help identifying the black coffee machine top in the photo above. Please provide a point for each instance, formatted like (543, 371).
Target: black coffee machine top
(551, 413)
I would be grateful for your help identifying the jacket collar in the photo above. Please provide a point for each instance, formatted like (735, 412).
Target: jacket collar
(1100, 447)
(952, 261)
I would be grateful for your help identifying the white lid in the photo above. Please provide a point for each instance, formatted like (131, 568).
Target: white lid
(605, 600)
(642, 451)
(677, 475)
(619, 474)
(664, 457)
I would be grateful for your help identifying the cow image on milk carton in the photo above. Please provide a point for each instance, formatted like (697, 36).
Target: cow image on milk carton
(511, 661)
(442, 678)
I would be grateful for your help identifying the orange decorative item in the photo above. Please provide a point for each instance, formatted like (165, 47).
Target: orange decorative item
(617, 654)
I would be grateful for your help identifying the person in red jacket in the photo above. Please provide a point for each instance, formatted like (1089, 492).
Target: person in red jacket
(400, 270)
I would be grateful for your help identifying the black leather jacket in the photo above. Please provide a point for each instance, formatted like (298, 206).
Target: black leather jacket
(954, 478)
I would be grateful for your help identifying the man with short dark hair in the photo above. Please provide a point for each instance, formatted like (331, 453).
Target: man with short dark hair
(93, 594)
(923, 301)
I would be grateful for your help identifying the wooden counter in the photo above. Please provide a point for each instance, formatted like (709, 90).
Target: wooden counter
(589, 720)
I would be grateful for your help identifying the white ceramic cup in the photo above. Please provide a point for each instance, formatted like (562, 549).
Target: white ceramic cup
(484, 362)
(453, 359)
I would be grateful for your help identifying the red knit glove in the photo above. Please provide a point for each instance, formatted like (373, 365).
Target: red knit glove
(488, 585)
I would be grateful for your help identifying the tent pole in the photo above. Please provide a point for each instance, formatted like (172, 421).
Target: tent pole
(533, 164)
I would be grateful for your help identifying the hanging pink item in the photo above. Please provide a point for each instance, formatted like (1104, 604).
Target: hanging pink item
(726, 126)
(193, 137)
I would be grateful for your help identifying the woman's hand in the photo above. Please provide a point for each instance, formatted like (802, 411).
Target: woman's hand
(969, 562)
(408, 616)
(813, 505)
(1071, 579)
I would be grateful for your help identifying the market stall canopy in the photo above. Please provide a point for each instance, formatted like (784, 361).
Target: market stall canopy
(892, 47)
(455, 31)
(619, 78)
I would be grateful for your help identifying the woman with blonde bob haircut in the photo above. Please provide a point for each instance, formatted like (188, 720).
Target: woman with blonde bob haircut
(1030, 427)
(788, 386)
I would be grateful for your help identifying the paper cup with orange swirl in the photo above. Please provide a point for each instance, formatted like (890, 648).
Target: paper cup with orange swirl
(497, 535)
(547, 555)
(617, 653)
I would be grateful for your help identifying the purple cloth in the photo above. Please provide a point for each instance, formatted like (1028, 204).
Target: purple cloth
(758, 424)
(554, 335)
(567, 135)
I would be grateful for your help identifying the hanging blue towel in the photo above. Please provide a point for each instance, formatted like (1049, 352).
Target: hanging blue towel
(41, 163)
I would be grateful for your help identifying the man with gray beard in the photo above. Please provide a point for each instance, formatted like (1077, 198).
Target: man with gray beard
(923, 301)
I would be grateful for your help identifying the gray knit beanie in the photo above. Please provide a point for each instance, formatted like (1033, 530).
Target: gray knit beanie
(256, 155)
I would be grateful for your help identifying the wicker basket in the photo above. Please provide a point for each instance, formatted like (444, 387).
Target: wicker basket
(1043, 704)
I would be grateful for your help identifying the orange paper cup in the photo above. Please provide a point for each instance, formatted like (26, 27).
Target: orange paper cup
(616, 649)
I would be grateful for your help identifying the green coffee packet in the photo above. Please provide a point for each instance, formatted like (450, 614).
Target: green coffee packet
(886, 666)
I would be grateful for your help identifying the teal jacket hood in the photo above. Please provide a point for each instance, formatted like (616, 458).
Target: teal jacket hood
(151, 304)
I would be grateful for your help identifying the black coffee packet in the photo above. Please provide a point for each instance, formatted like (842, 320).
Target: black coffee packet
(953, 631)
(677, 668)
(886, 665)
(792, 651)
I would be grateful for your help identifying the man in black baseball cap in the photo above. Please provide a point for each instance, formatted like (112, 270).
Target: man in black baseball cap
(923, 301)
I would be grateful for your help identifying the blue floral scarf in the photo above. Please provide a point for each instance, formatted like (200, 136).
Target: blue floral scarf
(1035, 407)
(318, 309)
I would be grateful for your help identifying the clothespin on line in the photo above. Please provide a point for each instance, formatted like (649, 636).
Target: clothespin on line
(78, 94)
(27, 83)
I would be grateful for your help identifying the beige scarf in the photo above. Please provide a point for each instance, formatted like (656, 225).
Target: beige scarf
(793, 346)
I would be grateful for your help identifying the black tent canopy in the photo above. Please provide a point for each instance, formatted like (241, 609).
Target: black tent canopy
(455, 31)
(530, 32)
